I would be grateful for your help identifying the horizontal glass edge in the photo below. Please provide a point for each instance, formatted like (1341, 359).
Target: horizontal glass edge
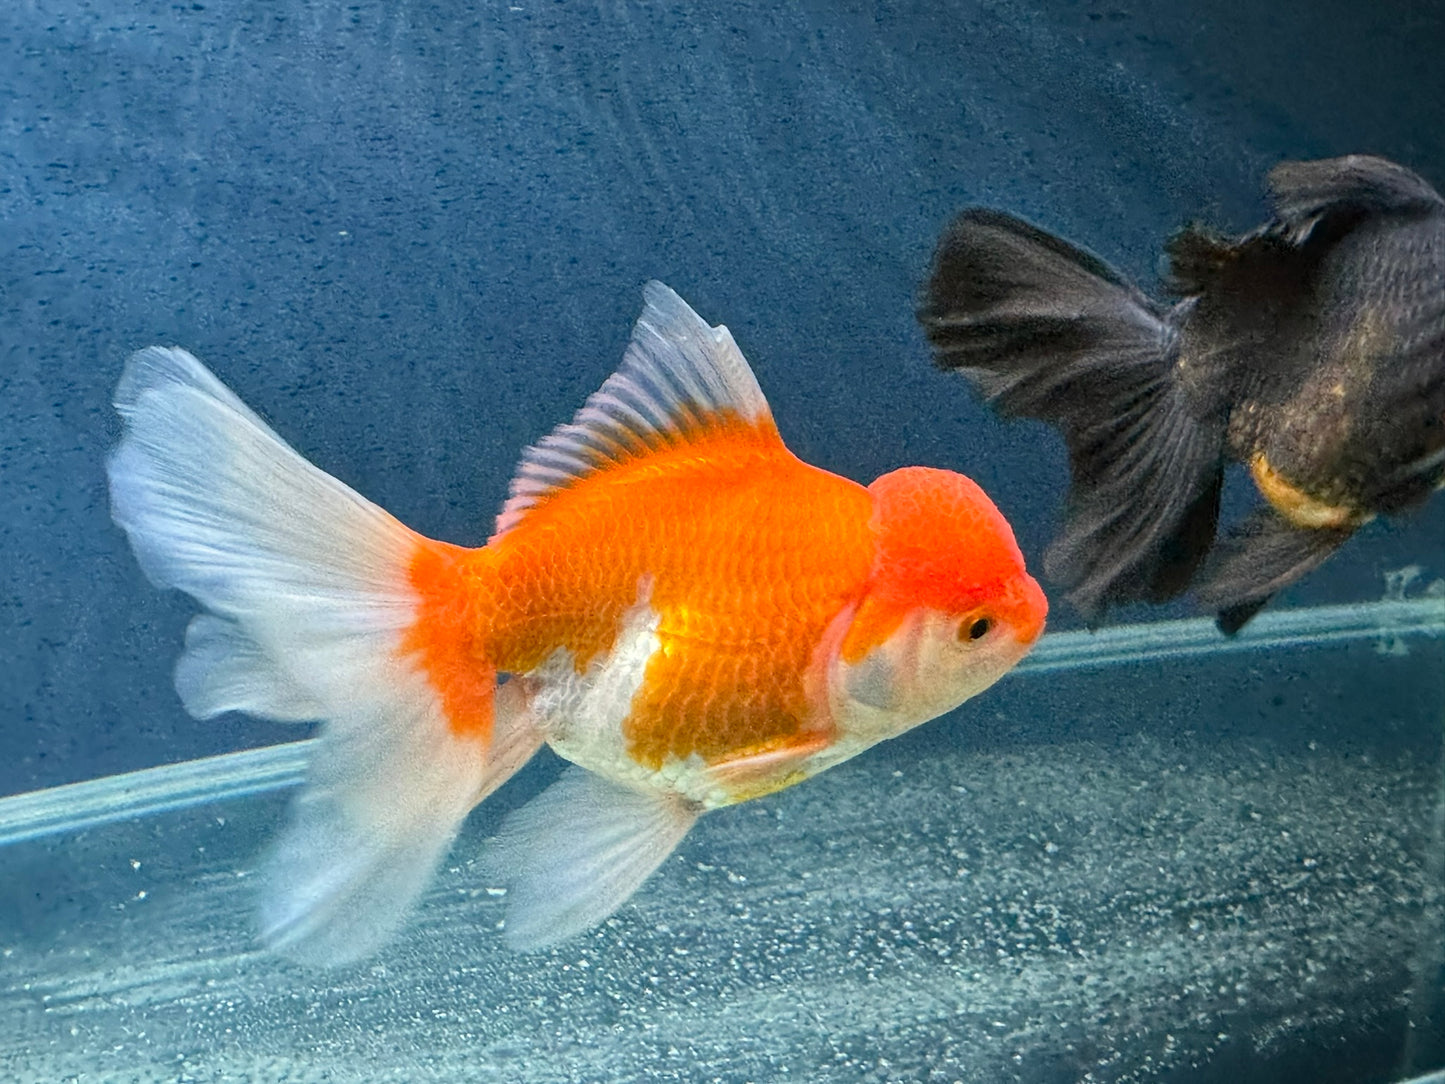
(76, 806)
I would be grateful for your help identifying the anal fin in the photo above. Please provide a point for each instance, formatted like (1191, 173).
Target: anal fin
(1262, 555)
(574, 854)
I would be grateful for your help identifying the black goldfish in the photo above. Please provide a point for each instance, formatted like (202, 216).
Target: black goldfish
(1311, 350)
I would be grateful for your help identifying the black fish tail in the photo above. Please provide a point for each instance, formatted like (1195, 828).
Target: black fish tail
(1258, 557)
(1044, 330)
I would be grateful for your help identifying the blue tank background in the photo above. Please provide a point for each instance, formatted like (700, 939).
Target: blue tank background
(412, 236)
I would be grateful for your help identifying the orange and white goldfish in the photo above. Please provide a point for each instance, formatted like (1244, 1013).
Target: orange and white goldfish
(671, 600)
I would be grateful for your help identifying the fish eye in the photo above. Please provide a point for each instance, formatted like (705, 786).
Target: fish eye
(976, 630)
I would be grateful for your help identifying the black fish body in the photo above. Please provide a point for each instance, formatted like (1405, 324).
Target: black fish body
(1311, 350)
(1323, 347)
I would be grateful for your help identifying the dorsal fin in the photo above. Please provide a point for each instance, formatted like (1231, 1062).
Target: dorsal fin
(679, 379)
(1197, 256)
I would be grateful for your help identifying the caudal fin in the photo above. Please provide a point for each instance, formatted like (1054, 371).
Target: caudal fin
(312, 616)
(1044, 330)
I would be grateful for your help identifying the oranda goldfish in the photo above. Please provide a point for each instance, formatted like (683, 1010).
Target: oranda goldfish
(1311, 350)
(671, 600)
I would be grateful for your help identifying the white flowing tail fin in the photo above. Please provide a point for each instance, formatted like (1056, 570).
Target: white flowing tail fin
(313, 612)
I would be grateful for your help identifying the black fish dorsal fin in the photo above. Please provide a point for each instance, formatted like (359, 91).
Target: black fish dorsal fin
(1197, 257)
